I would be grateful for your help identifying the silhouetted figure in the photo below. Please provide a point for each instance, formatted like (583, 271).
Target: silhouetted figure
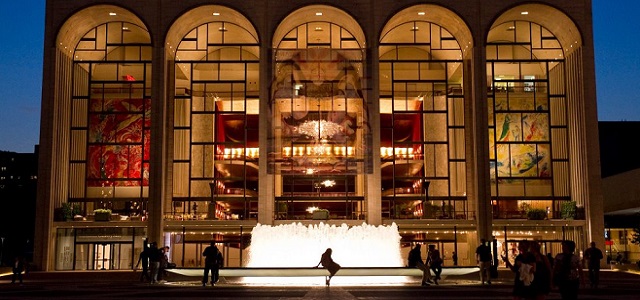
(483, 258)
(567, 271)
(415, 261)
(454, 256)
(329, 264)
(593, 256)
(434, 261)
(154, 262)
(164, 263)
(144, 260)
(541, 285)
(524, 268)
(213, 261)
(18, 268)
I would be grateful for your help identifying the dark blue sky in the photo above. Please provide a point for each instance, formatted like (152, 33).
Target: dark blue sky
(616, 34)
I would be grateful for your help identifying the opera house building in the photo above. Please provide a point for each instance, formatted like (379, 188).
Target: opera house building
(186, 122)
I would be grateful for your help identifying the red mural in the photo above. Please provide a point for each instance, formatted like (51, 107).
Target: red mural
(119, 141)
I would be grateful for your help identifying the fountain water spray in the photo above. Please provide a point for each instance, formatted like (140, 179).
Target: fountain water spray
(296, 245)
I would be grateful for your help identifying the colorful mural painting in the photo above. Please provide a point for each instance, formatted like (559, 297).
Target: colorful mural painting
(118, 151)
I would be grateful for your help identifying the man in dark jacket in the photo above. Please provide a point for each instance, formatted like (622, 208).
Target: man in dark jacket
(213, 261)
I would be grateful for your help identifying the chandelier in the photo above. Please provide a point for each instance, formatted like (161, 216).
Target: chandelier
(321, 129)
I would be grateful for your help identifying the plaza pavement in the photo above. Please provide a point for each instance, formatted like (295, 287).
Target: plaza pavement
(617, 285)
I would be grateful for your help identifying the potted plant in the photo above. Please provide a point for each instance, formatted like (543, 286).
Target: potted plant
(568, 210)
(536, 214)
(102, 214)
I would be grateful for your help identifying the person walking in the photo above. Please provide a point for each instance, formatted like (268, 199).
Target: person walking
(213, 261)
(415, 261)
(567, 271)
(593, 255)
(144, 260)
(483, 258)
(329, 264)
(434, 261)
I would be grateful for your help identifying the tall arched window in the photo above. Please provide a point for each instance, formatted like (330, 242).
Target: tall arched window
(528, 128)
(319, 118)
(422, 124)
(110, 118)
(215, 123)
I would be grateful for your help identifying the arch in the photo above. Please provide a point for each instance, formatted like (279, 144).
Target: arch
(439, 15)
(328, 14)
(551, 18)
(202, 15)
(76, 26)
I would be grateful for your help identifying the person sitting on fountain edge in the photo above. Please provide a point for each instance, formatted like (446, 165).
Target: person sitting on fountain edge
(415, 261)
(328, 263)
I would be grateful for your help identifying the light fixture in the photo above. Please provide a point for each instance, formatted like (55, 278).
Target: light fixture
(421, 13)
(329, 183)
(311, 209)
(319, 129)
(524, 13)
(216, 13)
(318, 14)
(113, 14)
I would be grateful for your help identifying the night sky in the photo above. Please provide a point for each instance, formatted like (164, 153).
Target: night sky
(616, 34)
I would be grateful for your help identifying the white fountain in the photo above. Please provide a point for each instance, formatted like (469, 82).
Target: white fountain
(298, 246)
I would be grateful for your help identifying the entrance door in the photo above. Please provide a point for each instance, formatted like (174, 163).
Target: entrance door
(102, 256)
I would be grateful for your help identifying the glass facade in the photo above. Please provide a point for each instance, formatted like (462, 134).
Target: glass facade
(215, 124)
(320, 121)
(110, 128)
(304, 119)
(528, 127)
(422, 124)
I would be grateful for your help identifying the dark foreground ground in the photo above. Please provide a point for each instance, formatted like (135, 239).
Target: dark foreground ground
(125, 285)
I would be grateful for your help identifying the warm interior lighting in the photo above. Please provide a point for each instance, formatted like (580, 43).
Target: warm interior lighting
(216, 13)
(113, 14)
(329, 183)
(311, 209)
(321, 129)
(318, 14)
(524, 13)
(421, 13)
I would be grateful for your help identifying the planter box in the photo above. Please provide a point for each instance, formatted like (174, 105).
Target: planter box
(102, 217)
(320, 215)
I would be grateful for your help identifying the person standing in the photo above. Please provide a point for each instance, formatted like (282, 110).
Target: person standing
(144, 260)
(329, 264)
(483, 258)
(434, 261)
(567, 271)
(213, 261)
(164, 262)
(454, 256)
(541, 285)
(593, 255)
(154, 262)
(524, 269)
(415, 261)
(18, 268)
